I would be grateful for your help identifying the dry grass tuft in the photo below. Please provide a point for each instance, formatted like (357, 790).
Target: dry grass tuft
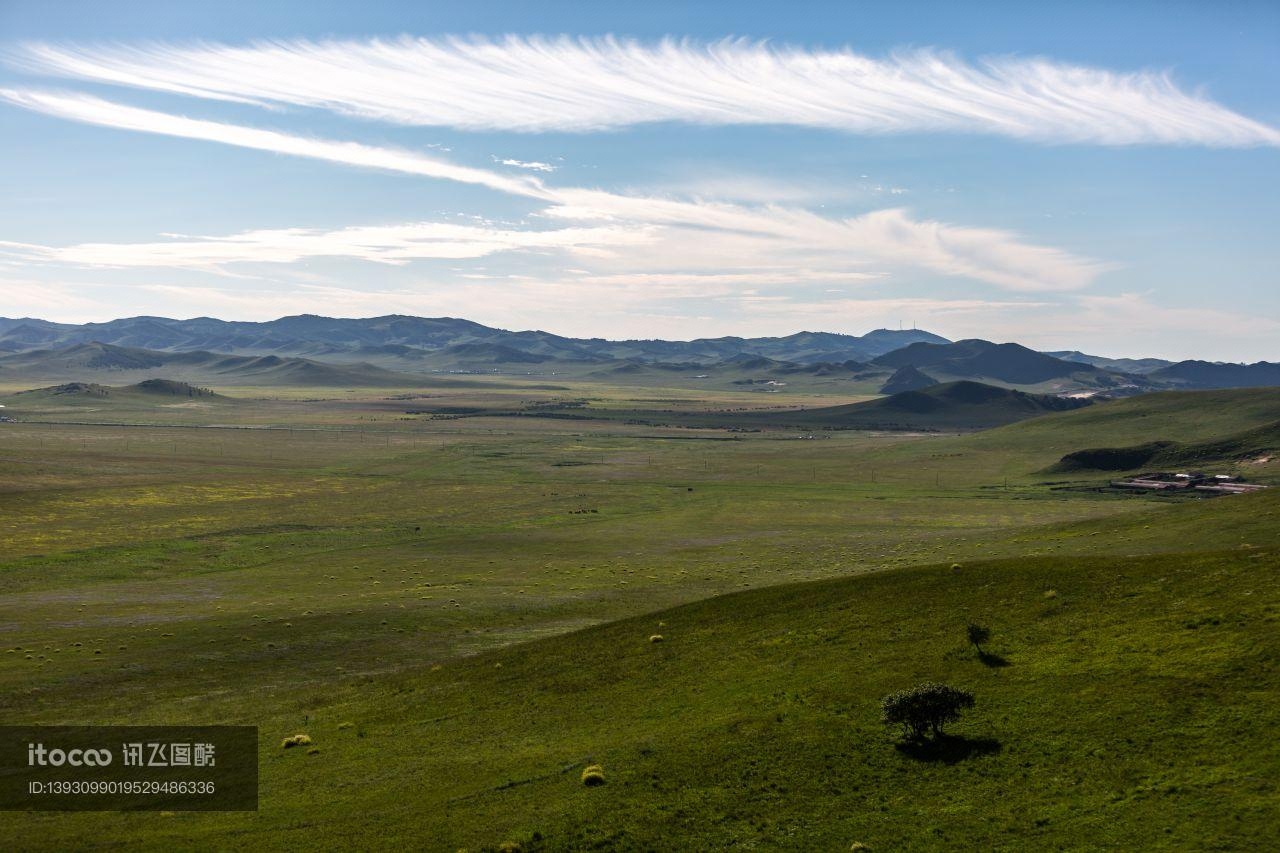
(295, 740)
(593, 776)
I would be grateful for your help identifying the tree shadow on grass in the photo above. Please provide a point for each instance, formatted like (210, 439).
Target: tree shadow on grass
(949, 749)
(993, 661)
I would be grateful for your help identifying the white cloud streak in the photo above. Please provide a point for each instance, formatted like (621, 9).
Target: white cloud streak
(385, 244)
(91, 110)
(562, 83)
(531, 165)
(696, 235)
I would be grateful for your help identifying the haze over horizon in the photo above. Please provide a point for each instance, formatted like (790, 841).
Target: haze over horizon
(1082, 178)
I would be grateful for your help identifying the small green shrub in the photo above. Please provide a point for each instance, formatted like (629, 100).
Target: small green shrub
(925, 708)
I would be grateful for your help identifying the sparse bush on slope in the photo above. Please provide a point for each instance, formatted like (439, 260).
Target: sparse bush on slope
(925, 708)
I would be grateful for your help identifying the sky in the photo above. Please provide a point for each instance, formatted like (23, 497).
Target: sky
(1088, 176)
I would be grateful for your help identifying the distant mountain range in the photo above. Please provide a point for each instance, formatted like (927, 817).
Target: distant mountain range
(1123, 365)
(80, 362)
(409, 337)
(95, 358)
(397, 350)
(1205, 374)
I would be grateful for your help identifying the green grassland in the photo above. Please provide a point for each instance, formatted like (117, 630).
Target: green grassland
(475, 596)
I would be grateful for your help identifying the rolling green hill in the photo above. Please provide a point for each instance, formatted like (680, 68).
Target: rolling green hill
(171, 388)
(1123, 702)
(146, 394)
(1251, 444)
(1124, 705)
(68, 391)
(80, 400)
(1186, 416)
(275, 370)
(941, 407)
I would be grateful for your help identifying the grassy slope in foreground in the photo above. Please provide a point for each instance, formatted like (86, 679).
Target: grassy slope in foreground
(1127, 702)
(1253, 444)
(1187, 416)
(1190, 417)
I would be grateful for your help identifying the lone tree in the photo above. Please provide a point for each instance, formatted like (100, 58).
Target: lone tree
(925, 708)
(978, 635)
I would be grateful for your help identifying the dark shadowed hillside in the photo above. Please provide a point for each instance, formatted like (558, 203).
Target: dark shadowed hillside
(907, 378)
(147, 395)
(170, 388)
(977, 359)
(1205, 374)
(958, 406)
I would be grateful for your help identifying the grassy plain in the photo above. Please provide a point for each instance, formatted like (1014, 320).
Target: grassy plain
(475, 594)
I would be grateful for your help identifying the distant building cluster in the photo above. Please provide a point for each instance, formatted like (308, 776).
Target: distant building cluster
(1217, 484)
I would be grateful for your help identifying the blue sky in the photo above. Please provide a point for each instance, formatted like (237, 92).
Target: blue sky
(1063, 175)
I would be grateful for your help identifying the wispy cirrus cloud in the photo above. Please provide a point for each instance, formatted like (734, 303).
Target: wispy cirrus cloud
(707, 235)
(384, 244)
(644, 233)
(91, 110)
(531, 83)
